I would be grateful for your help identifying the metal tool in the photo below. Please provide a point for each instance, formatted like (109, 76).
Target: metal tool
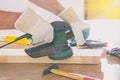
(55, 69)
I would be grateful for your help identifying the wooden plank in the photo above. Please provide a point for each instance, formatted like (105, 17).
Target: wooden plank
(88, 56)
(3, 59)
(14, 53)
(72, 60)
(18, 57)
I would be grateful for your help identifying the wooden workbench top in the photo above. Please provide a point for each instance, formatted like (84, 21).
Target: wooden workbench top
(15, 54)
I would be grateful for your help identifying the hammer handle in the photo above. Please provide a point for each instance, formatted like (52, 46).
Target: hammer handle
(66, 74)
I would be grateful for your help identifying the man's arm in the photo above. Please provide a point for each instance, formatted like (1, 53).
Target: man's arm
(51, 5)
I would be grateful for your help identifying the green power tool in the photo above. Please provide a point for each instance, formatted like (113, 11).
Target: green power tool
(58, 49)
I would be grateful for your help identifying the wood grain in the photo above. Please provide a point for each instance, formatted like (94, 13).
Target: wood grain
(13, 54)
(34, 71)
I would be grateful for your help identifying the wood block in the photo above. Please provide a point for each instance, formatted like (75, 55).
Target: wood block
(87, 56)
(15, 54)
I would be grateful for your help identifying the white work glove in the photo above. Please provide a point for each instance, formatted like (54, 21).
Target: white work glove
(30, 22)
(70, 16)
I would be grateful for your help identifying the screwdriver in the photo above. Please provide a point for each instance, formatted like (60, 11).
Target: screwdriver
(26, 35)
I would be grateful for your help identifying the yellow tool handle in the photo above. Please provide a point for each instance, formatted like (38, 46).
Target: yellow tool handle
(66, 74)
(23, 41)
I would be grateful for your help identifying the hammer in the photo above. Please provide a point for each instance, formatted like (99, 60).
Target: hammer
(55, 69)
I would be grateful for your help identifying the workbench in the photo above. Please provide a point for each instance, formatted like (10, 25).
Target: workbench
(88, 56)
(16, 65)
(10, 69)
(14, 53)
(33, 71)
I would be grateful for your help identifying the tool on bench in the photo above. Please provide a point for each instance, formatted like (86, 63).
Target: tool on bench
(55, 69)
(27, 35)
(58, 49)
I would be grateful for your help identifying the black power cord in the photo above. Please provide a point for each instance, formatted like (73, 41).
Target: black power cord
(27, 35)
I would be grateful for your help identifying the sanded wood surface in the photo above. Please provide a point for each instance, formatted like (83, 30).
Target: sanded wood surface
(15, 54)
(27, 59)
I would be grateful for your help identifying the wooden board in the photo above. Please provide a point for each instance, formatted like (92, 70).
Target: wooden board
(8, 18)
(15, 54)
(80, 56)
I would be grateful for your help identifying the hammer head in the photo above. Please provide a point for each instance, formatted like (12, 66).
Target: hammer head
(48, 69)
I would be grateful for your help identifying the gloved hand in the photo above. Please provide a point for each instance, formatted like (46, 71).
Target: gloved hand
(40, 29)
(80, 29)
